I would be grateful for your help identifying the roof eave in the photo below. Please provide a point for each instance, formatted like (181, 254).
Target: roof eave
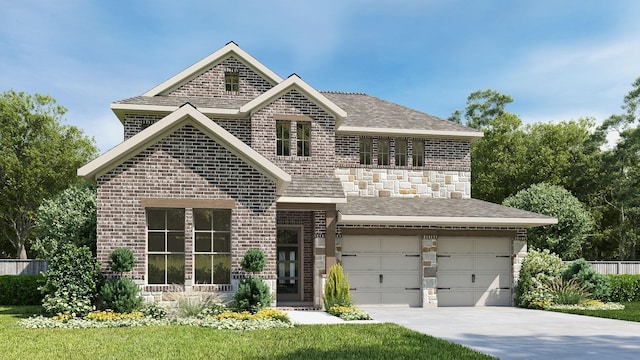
(373, 131)
(121, 109)
(311, 200)
(444, 221)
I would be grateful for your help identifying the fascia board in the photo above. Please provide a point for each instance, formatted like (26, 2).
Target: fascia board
(356, 130)
(311, 200)
(443, 221)
(290, 83)
(228, 50)
(121, 109)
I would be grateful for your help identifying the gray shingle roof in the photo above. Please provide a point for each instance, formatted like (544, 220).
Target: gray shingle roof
(431, 207)
(369, 111)
(198, 102)
(307, 186)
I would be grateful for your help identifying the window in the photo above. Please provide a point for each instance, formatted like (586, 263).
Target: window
(418, 153)
(366, 149)
(212, 246)
(401, 152)
(304, 138)
(165, 246)
(383, 151)
(231, 82)
(283, 140)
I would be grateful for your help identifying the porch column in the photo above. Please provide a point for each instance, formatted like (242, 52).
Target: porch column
(330, 239)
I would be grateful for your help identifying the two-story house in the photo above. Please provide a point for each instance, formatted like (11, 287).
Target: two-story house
(227, 156)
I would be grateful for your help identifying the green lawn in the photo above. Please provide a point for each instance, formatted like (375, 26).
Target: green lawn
(631, 312)
(351, 341)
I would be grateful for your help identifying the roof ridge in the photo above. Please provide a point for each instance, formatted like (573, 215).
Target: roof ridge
(343, 92)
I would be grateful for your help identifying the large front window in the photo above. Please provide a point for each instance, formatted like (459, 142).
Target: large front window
(212, 246)
(283, 138)
(366, 148)
(401, 152)
(304, 138)
(165, 246)
(383, 151)
(418, 153)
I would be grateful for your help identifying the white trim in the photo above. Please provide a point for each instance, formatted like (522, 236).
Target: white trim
(230, 49)
(356, 130)
(311, 200)
(443, 220)
(187, 114)
(291, 82)
(121, 109)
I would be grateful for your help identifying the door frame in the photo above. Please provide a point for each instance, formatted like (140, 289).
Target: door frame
(300, 259)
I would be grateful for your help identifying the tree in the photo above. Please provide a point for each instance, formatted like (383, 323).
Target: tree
(484, 106)
(69, 216)
(574, 222)
(38, 158)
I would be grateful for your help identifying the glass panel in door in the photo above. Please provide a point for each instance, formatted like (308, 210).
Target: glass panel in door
(288, 265)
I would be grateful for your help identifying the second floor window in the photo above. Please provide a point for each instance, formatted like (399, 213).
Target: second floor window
(383, 151)
(418, 153)
(304, 138)
(231, 82)
(366, 148)
(401, 152)
(283, 138)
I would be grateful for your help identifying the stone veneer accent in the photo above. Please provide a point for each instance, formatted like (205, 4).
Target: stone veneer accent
(186, 165)
(405, 183)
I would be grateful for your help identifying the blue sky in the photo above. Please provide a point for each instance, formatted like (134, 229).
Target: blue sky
(560, 60)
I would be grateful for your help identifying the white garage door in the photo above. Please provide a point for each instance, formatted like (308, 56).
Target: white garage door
(383, 270)
(474, 271)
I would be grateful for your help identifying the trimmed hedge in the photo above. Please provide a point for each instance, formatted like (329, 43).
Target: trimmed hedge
(624, 288)
(21, 289)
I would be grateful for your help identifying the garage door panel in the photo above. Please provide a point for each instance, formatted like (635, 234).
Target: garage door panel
(494, 298)
(403, 298)
(366, 298)
(487, 281)
(399, 280)
(455, 263)
(400, 262)
(360, 262)
(361, 244)
(399, 244)
(362, 281)
(454, 280)
(490, 245)
(459, 297)
(492, 263)
(454, 245)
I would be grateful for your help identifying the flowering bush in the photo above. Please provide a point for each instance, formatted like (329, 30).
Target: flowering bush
(348, 313)
(264, 314)
(110, 315)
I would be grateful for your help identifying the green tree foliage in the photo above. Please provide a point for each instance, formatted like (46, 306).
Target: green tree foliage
(38, 158)
(121, 294)
(539, 268)
(581, 272)
(69, 216)
(336, 288)
(71, 283)
(253, 261)
(122, 260)
(252, 294)
(574, 222)
(484, 106)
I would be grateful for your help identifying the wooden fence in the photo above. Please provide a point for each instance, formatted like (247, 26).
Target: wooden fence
(616, 267)
(22, 267)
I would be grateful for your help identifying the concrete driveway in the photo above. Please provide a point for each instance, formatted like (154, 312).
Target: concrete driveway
(514, 333)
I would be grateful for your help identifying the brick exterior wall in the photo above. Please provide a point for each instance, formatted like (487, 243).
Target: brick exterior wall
(263, 134)
(134, 123)
(185, 165)
(211, 82)
(305, 219)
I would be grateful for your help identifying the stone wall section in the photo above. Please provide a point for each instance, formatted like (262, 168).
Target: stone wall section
(405, 183)
(263, 135)
(211, 84)
(186, 165)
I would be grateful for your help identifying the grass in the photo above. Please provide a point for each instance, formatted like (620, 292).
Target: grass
(348, 341)
(631, 312)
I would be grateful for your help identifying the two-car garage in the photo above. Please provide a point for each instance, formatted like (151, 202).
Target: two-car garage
(386, 270)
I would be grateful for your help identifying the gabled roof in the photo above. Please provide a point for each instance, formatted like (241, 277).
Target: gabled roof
(201, 66)
(369, 115)
(185, 115)
(436, 212)
(314, 190)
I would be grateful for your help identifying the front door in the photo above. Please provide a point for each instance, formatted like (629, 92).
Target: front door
(289, 266)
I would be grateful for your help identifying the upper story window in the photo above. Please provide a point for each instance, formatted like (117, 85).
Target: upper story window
(366, 150)
(304, 138)
(418, 153)
(165, 246)
(383, 151)
(232, 82)
(212, 250)
(283, 138)
(401, 152)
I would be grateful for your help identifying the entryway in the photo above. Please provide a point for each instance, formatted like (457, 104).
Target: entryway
(289, 253)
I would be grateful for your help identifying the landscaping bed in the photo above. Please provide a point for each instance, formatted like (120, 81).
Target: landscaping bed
(631, 312)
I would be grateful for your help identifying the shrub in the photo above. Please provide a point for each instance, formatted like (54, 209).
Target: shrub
(538, 269)
(580, 270)
(568, 292)
(348, 313)
(624, 288)
(109, 315)
(253, 261)
(264, 314)
(336, 288)
(122, 260)
(121, 295)
(153, 310)
(196, 304)
(20, 289)
(71, 283)
(252, 295)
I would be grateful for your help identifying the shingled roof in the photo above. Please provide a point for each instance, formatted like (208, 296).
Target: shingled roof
(198, 102)
(313, 187)
(429, 211)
